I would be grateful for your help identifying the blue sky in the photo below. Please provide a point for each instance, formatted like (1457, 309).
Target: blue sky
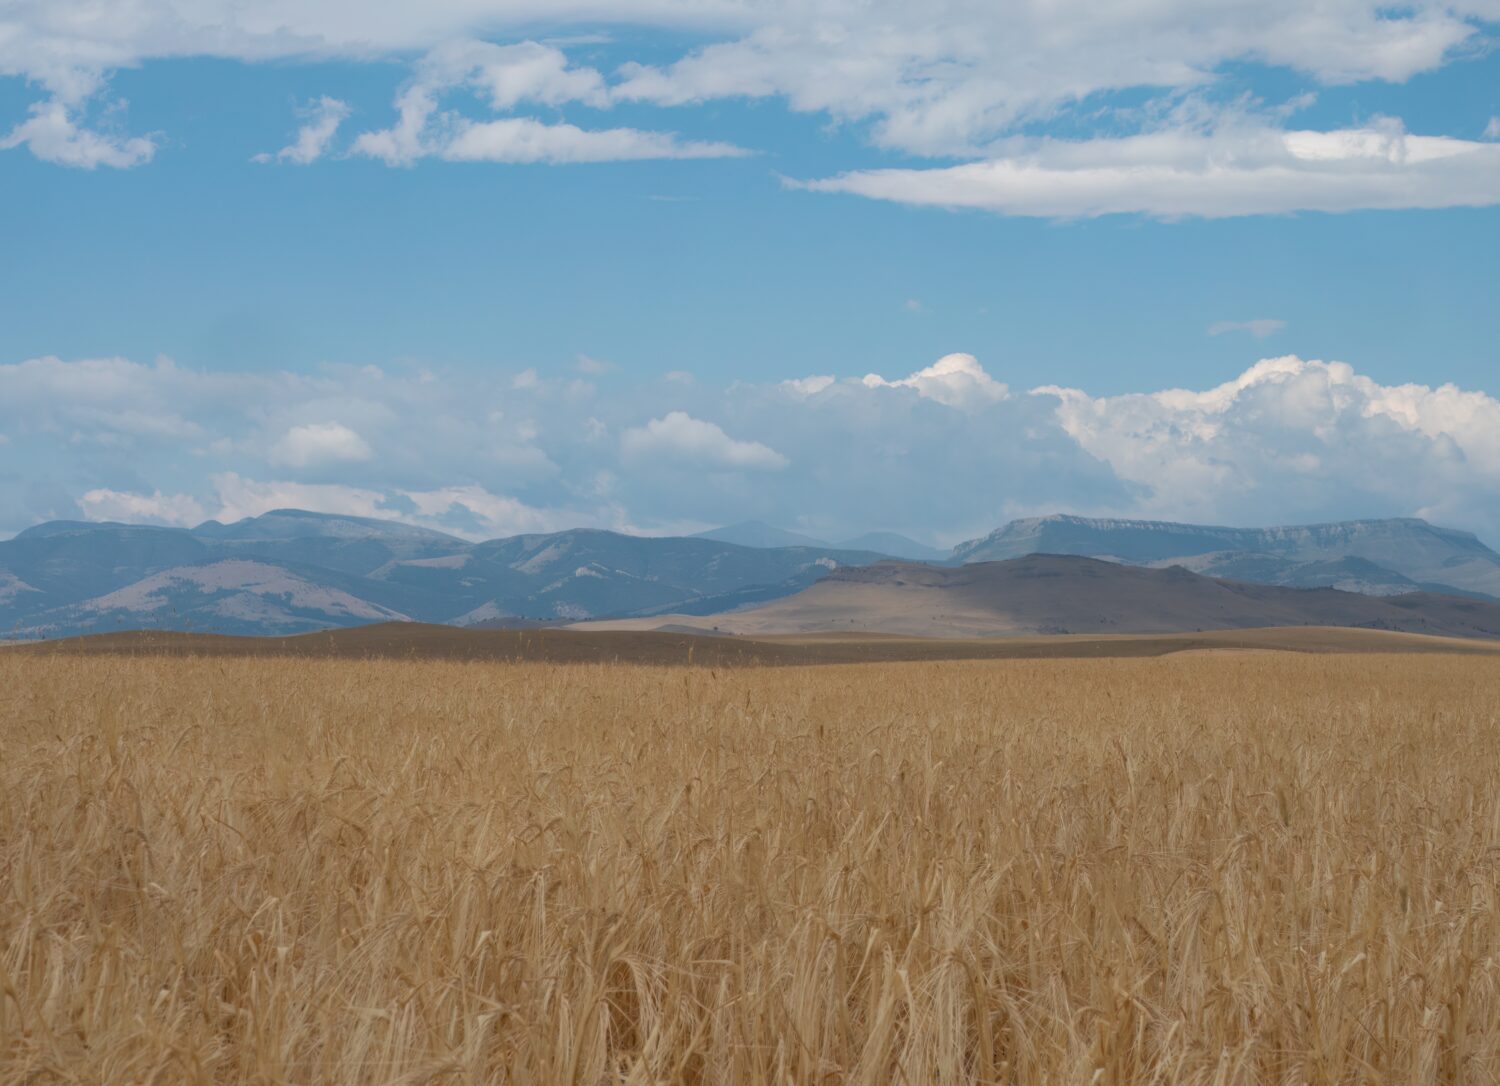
(428, 322)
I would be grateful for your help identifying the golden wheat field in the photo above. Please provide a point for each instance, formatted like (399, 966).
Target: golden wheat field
(1206, 868)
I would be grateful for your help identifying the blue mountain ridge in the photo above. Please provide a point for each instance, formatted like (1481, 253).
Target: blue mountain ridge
(289, 570)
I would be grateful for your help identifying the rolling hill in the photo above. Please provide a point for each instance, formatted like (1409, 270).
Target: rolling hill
(1058, 594)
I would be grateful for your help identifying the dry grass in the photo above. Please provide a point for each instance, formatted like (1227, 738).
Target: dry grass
(1217, 868)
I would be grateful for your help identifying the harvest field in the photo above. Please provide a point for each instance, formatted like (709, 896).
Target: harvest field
(1216, 867)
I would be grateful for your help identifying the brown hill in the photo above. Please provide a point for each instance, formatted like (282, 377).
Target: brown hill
(1056, 594)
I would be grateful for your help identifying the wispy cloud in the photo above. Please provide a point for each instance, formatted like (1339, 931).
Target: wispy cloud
(944, 78)
(54, 134)
(323, 119)
(594, 367)
(1260, 329)
(505, 77)
(1214, 174)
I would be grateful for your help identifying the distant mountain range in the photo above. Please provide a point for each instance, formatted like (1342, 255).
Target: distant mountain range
(1374, 557)
(290, 571)
(755, 533)
(1063, 594)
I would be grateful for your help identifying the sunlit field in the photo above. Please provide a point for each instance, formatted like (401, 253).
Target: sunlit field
(1209, 867)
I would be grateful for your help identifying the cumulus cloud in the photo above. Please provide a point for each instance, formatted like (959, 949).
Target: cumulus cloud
(319, 443)
(1492, 130)
(698, 444)
(323, 119)
(947, 451)
(178, 510)
(957, 380)
(1180, 173)
(1288, 438)
(1260, 328)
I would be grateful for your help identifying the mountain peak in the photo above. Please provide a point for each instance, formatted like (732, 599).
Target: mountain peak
(757, 533)
(303, 523)
(896, 545)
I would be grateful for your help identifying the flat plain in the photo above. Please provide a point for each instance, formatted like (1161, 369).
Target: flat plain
(1215, 866)
(423, 641)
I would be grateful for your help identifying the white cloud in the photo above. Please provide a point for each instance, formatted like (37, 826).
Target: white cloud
(945, 451)
(957, 380)
(807, 386)
(470, 511)
(1293, 434)
(490, 515)
(1260, 328)
(319, 443)
(507, 76)
(594, 367)
(323, 119)
(511, 74)
(1492, 130)
(404, 142)
(181, 510)
(239, 497)
(945, 77)
(106, 400)
(523, 140)
(678, 436)
(1224, 172)
(53, 134)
